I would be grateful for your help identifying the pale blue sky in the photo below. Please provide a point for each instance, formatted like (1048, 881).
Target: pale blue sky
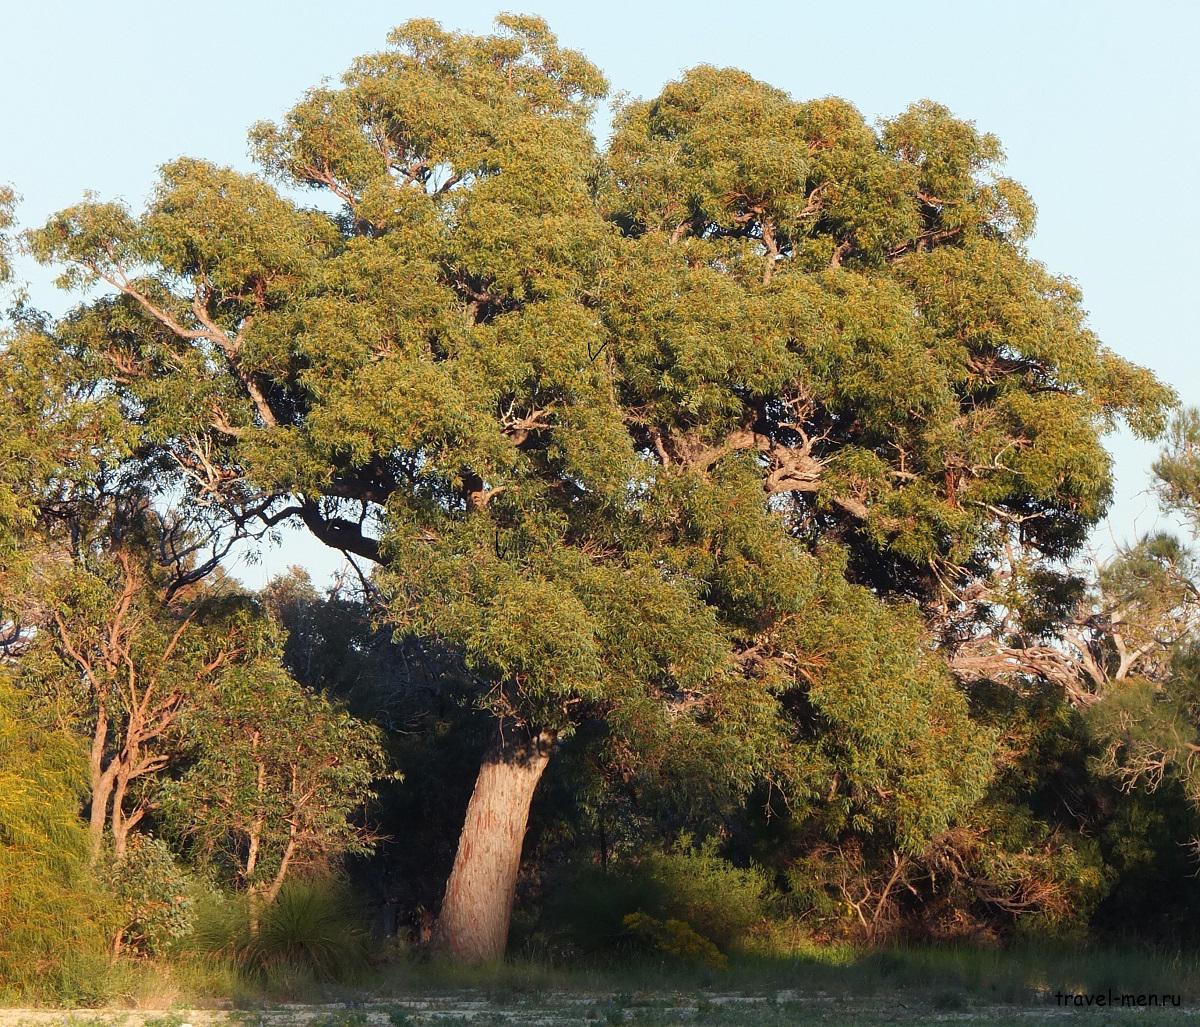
(1095, 103)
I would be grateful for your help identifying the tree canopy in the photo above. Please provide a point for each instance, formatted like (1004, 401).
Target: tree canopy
(520, 372)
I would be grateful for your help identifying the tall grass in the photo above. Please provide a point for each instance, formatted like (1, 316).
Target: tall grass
(308, 948)
(310, 932)
(52, 918)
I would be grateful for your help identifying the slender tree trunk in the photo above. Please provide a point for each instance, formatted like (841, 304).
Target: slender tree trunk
(102, 785)
(256, 825)
(271, 893)
(260, 896)
(252, 887)
(256, 830)
(473, 924)
(120, 830)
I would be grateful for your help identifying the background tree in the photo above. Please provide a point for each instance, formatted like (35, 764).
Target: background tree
(276, 778)
(1148, 717)
(417, 692)
(120, 665)
(8, 200)
(1177, 470)
(62, 439)
(862, 259)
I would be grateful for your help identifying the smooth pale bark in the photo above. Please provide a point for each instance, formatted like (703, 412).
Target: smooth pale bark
(122, 823)
(120, 826)
(473, 923)
(102, 788)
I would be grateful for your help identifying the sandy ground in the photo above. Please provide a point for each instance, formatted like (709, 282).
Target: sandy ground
(575, 1010)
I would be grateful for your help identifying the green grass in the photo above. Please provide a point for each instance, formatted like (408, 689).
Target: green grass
(1000, 976)
(811, 984)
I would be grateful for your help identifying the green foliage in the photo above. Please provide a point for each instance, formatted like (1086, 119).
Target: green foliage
(311, 930)
(1177, 470)
(149, 890)
(718, 899)
(685, 892)
(621, 432)
(523, 358)
(676, 939)
(51, 910)
(888, 727)
(220, 923)
(8, 200)
(128, 646)
(277, 775)
(1154, 893)
(1146, 721)
(58, 429)
(176, 683)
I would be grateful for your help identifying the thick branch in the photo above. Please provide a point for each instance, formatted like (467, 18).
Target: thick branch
(338, 533)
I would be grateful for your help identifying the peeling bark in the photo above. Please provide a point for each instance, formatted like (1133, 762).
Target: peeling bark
(474, 920)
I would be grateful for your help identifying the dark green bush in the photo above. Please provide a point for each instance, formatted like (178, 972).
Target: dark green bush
(689, 883)
(311, 925)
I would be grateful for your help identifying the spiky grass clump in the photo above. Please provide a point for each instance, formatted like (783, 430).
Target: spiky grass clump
(311, 926)
(309, 932)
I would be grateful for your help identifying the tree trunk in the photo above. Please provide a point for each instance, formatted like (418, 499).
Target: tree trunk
(120, 828)
(473, 923)
(102, 787)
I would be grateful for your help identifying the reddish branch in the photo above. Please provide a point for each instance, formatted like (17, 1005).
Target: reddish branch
(137, 704)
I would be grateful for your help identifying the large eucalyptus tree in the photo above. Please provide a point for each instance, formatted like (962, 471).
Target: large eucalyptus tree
(662, 435)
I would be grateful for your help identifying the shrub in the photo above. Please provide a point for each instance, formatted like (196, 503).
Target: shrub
(50, 907)
(690, 884)
(720, 900)
(311, 925)
(309, 930)
(220, 924)
(678, 939)
(151, 897)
